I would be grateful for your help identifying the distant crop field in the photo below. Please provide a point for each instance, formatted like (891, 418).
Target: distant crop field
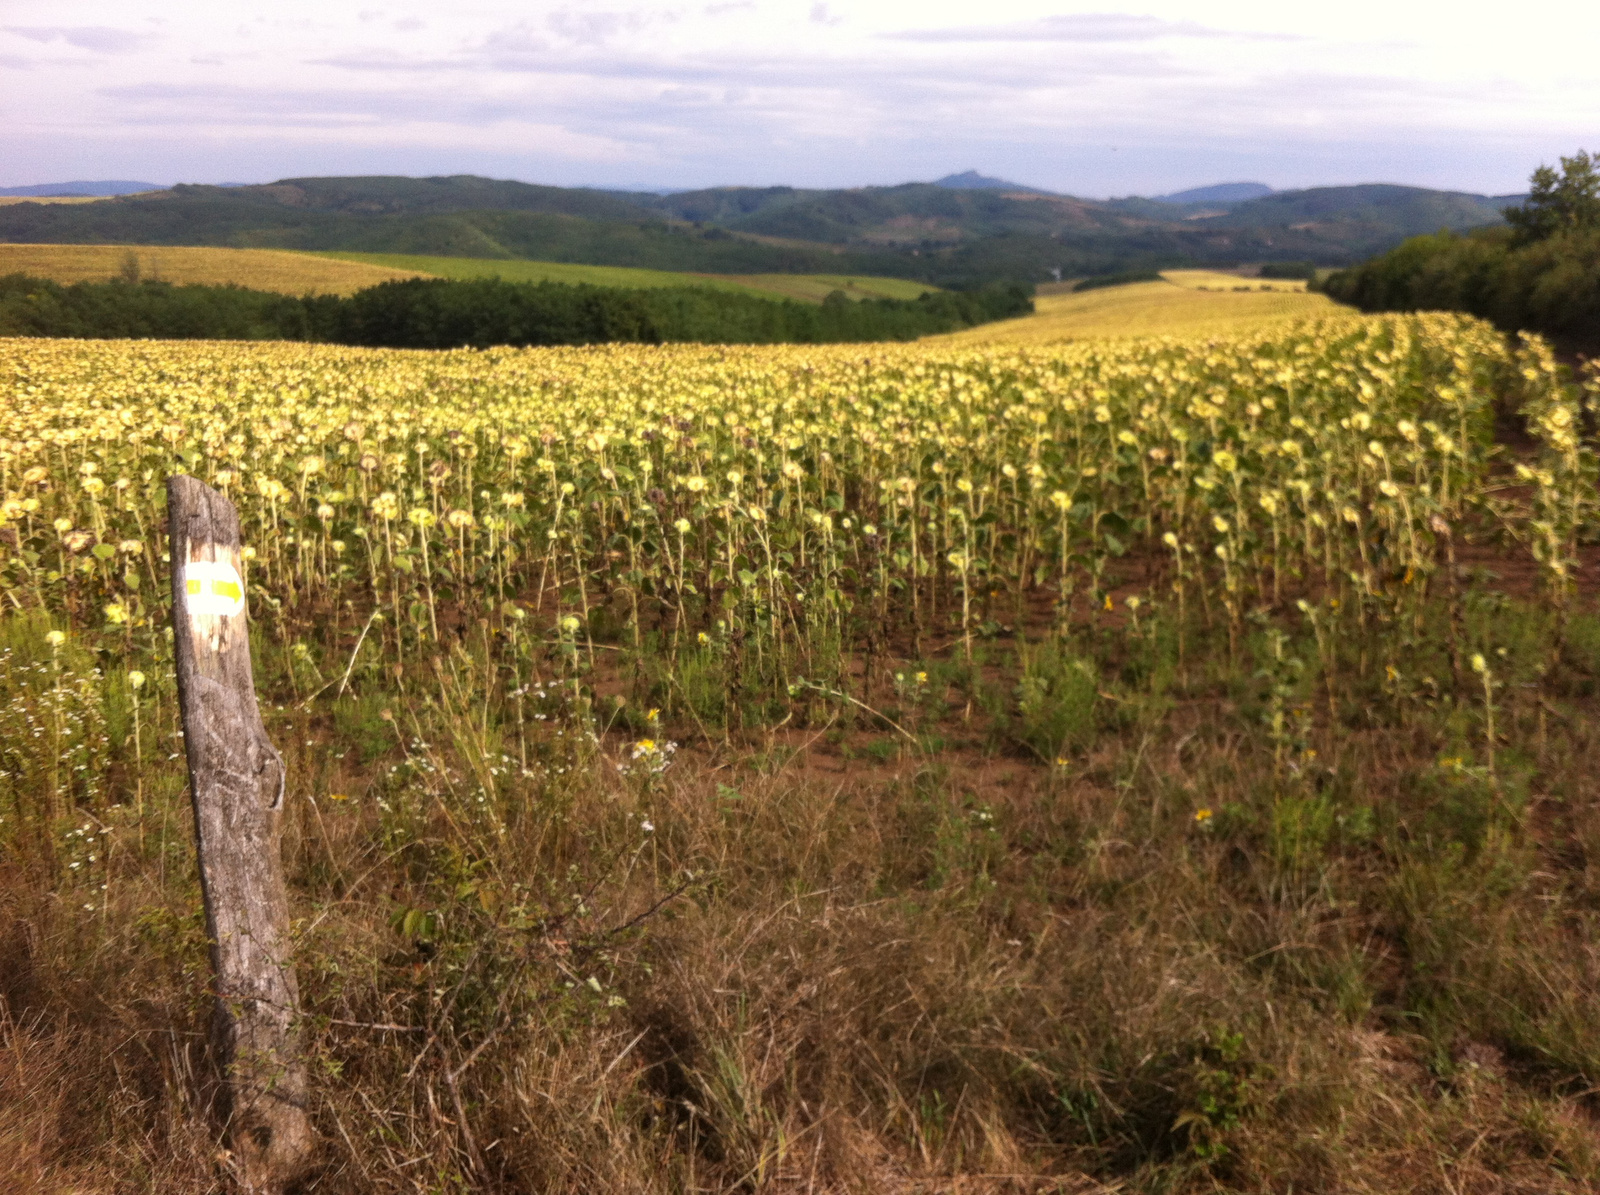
(809, 288)
(1218, 280)
(260, 269)
(295, 273)
(813, 288)
(1172, 308)
(7, 200)
(516, 270)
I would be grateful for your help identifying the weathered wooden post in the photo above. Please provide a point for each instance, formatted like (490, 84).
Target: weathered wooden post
(236, 780)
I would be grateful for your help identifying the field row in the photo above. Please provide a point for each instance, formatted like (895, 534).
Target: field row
(785, 507)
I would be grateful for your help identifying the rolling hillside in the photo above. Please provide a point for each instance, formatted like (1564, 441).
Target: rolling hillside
(295, 273)
(258, 269)
(916, 214)
(1395, 209)
(517, 270)
(811, 288)
(940, 234)
(295, 218)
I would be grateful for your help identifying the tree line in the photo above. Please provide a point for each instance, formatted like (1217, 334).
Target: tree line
(1540, 273)
(441, 313)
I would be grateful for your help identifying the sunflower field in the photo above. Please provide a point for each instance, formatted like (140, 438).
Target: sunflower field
(779, 511)
(772, 708)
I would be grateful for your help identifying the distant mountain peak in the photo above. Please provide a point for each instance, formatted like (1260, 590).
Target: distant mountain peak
(1219, 193)
(971, 180)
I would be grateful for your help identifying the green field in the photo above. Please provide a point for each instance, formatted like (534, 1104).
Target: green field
(809, 288)
(813, 288)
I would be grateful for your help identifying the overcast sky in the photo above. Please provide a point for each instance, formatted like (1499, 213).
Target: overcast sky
(1092, 99)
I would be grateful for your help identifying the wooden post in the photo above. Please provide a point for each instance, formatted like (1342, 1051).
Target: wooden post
(236, 781)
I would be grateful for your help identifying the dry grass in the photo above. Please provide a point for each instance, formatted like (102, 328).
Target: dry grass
(907, 970)
(259, 269)
(1176, 308)
(8, 200)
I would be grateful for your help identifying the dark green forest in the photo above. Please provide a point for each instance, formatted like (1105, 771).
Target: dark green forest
(1538, 272)
(439, 313)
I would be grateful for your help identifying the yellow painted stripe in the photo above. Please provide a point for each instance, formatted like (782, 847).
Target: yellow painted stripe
(227, 589)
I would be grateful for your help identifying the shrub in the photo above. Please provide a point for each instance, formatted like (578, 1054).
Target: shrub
(1290, 269)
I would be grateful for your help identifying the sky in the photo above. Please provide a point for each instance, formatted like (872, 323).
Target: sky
(1092, 99)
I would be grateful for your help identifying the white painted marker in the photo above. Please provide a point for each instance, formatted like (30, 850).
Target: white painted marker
(214, 587)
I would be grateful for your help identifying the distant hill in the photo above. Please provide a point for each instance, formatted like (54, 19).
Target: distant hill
(628, 189)
(971, 180)
(1405, 209)
(920, 215)
(391, 195)
(434, 217)
(719, 205)
(103, 187)
(1219, 193)
(1365, 219)
(946, 235)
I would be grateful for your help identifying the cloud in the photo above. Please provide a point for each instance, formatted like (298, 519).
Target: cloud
(99, 38)
(694, 90)
(385, 60)
(688, 96)
(227, 104)
(516, 39)
(592, 28)
(400, 24)
(1081, 27)
(820, 15)
(866, 75)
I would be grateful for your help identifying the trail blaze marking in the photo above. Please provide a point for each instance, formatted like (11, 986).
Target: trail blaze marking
(214, 587)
